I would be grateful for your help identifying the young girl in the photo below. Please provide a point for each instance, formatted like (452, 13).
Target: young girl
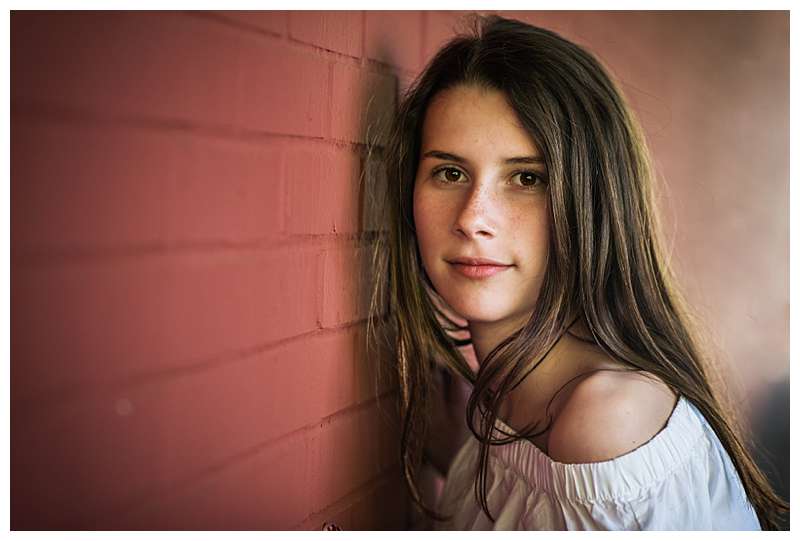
(520, 201)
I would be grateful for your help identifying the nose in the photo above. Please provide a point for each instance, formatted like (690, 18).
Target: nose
(476, 215)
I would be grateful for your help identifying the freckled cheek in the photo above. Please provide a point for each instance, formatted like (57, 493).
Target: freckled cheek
(529, 233)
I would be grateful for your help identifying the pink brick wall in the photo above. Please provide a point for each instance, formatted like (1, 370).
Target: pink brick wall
(187, 317)
(187, 301)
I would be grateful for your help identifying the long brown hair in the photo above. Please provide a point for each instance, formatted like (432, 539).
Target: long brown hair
(606, 263)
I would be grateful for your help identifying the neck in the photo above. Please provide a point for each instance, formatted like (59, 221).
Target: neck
(487, 335)
(569, 357)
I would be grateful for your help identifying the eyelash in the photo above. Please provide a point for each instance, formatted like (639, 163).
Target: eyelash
(534, 174)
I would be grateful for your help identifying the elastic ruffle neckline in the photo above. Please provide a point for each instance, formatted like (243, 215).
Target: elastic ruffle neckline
(622, 477)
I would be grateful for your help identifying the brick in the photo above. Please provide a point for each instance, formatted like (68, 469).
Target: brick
(339, 31)
(267, 491)
(322, 190)
(365, 101)
(225, 190)
(167, 65)
(340, 459)
(394, 37)
(328, 370)
(380, 506)
(284, 89)
(103, 186)
(66, 472)
(274, 22)
(106, 322)
(88, 186)
(158, 64)
(347, 283)
(158, 434)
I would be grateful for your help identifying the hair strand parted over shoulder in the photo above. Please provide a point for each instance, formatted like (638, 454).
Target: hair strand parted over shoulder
(606, 262)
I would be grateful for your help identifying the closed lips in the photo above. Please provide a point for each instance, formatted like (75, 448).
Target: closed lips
(477, 262)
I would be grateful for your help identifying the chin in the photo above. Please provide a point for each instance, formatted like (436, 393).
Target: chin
(479, 313)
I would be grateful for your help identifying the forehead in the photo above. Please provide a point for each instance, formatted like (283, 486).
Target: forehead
(469, 118)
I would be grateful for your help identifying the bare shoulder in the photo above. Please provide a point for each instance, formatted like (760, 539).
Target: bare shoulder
(609, 414)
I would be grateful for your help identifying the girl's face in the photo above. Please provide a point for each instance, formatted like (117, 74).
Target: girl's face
(480, 192)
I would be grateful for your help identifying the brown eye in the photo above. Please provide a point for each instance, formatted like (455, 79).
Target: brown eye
(528, 179)
(449, 174)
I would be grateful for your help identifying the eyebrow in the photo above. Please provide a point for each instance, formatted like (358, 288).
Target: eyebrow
(456, 158)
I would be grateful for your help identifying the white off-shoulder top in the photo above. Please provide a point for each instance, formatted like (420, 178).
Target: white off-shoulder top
(682, 479)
